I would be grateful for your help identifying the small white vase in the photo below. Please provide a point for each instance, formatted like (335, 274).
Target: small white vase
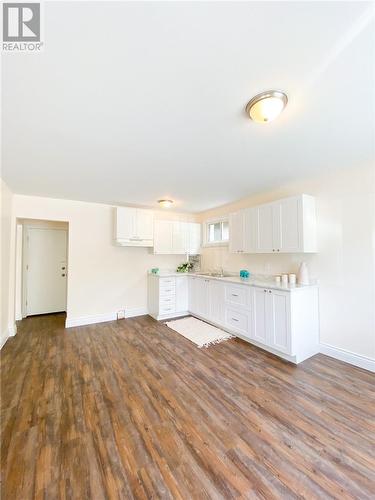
(303, 274)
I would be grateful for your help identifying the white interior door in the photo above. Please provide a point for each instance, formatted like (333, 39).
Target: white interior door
(46, 270)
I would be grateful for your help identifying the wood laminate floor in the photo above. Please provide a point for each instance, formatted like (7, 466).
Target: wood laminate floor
(131, 409)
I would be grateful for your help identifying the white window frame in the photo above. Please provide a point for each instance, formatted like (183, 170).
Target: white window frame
(222, 243)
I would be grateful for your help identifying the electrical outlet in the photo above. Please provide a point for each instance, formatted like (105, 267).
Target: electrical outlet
(121, 314)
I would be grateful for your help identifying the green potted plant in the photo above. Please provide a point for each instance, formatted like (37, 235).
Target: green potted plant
(185, 267)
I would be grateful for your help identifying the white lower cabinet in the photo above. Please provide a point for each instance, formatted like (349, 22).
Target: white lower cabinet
(167, 296)
(202, 301)
(216, 297)
(259, 315)
(272, 319)
(283, 322)
(238, 321)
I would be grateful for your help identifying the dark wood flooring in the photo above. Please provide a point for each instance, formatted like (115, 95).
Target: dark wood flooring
(131, 409)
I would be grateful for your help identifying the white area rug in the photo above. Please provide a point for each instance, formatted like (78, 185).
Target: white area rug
(199, 332)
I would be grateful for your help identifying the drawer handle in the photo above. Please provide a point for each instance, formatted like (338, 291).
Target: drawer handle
(234, 319)
(168, 308)
(234, 295)
(168, 290)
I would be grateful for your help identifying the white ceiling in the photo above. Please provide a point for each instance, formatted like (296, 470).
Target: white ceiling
(131, 102)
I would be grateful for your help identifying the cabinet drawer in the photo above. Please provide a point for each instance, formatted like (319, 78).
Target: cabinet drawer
(238, 321)
(237, 295)
(167, 300)
(167, 282)
(167, 290)
(167, 309)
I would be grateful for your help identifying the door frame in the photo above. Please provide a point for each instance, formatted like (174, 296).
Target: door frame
(45, 225)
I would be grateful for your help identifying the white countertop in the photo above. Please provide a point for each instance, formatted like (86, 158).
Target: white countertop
(258, 281)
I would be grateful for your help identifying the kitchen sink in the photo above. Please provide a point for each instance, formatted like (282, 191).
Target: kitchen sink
(217, 275)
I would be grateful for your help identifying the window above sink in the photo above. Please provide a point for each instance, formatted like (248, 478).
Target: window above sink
(216, 232)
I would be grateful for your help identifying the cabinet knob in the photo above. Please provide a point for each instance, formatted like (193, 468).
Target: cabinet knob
(278, 250)
(265, 291)
(273, 249)
(269, 291)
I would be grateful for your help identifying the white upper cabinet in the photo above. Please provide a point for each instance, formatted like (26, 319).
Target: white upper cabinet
(194, 238)
(145, 224)
(134, 227)
(177, 237)
(163, 237)
(286, 226)
(236, 232)
(283, 226)
(264, 234)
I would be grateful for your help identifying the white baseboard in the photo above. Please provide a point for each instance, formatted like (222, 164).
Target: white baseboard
(10, 332)
(102, 318)
(3, 342)
(348, 357)
(135, 311)
(89, 320)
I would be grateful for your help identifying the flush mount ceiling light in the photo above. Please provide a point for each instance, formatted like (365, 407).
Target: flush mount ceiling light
(266, 106)
(165, 203)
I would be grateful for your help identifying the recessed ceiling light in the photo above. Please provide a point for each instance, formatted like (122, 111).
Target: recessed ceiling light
(165, 203)
(266, 106)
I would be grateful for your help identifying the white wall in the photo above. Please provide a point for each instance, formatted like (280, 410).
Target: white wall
(102, 278)
(7, 324)
(344, 264)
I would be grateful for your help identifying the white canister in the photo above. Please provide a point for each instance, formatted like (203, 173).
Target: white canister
(303, 274)
(278, 279)
(284, 279)
(292, 279)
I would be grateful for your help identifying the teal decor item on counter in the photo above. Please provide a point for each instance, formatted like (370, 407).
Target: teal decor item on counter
(155, 270)
(244, 274)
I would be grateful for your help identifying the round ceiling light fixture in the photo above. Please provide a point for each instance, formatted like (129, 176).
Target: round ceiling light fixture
(165, 203)
(266, 106)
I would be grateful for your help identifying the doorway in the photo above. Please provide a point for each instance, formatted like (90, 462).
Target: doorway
(44, 267)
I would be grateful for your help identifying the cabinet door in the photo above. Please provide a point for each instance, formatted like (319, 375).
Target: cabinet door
(179, 237)
(145, 224)
(194, 238)
(259, 333)
(216, 302)
(202, 297)
(264, 229)
(163, 237)
(278, 320)
(236, 232)
(181, 293)
(290, 221)
(125, 223)
(193, 294)
(249, 230)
